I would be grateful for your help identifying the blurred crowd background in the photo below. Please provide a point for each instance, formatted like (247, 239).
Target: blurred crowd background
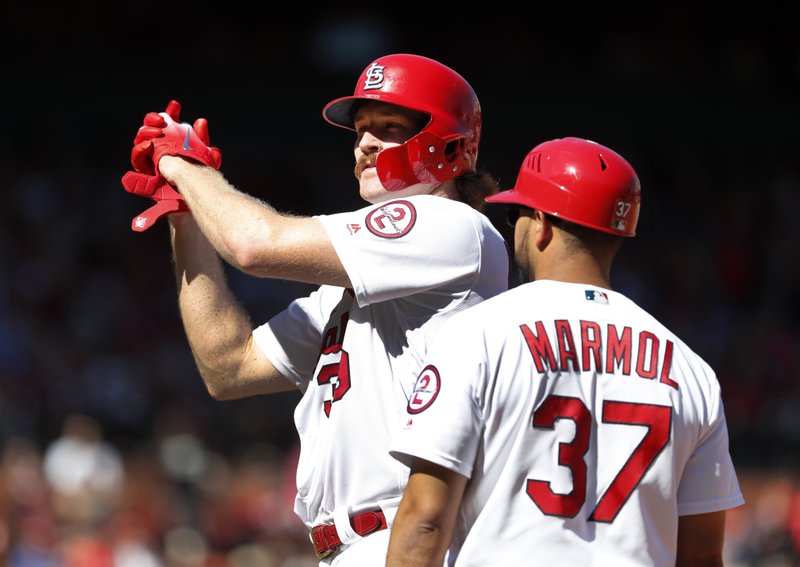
(112, 454)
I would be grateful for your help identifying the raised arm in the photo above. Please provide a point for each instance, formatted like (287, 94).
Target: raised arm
(251, 235)
(218, 329)
(224, 222)
(246, 232)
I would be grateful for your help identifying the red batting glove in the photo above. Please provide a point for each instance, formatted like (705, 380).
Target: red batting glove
(163, 134)
(156, 187)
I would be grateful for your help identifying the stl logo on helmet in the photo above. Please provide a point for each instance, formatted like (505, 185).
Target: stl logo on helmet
(425, 390)
(374, 77)
(392, 220)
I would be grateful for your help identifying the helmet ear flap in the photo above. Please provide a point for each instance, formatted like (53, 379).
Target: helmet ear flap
(454, 148)
(461, 151)
(422, 159)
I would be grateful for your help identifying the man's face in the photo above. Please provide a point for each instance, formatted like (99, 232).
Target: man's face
(379, 126)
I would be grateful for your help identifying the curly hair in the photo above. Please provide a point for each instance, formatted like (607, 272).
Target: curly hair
(474, 186)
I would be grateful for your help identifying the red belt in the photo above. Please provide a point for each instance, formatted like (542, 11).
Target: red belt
(326, 540)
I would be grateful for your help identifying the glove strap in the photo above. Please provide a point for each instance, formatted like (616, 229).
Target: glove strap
(148, 218)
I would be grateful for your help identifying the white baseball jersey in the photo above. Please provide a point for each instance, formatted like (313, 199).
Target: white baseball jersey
(585, 426)
(355, 353)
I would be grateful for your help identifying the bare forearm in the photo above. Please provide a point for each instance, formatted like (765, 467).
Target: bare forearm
(425, 520)
(231, 220)
(416, 544)
(252, 236)
(218, 329)
(700, 540)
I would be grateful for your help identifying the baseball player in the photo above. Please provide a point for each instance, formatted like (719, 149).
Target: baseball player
(390, 274)
(558, 423)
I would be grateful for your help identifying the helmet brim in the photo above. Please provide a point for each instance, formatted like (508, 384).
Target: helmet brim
(511, 197)
(340, 111)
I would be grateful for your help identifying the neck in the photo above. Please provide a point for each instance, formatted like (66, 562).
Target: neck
(575, 267)
(446, 189)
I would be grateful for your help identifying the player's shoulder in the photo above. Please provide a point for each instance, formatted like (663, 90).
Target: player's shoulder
(430, 204)
(438, 215)
(680, 348)
(437, 205)
(495, 311)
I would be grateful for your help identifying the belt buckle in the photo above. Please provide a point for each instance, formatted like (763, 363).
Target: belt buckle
(321, 546)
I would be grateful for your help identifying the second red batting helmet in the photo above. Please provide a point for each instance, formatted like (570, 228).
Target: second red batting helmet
(447, 146)
(580, 181)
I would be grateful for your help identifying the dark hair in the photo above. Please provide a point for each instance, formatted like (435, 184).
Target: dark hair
(586, 237)
(474, 186)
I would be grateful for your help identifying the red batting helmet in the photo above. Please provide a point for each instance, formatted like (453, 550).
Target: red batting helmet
(580, 181)
(448, 144)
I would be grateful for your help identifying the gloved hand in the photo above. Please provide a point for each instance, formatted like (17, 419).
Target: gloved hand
(156, 187)
(163, 134)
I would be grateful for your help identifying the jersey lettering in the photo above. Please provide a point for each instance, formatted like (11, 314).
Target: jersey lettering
(587, 355)
(665, 368)
(646, 365)
(569, 455)
(539, 347)
(335, 373)
(656, 419)
(566, 345)
(334, 336)
(590, 338)
(619, 350)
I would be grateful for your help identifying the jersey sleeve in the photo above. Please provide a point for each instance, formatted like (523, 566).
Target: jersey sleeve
(407, 246)
(709, 482)
(291, 339)
(443, 423)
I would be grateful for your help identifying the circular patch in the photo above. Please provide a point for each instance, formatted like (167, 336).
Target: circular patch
(425, 390)
(392, 220)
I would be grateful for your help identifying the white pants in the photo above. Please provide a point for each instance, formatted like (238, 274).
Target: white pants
(367, 552)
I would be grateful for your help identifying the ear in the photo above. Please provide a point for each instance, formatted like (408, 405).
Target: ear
(543, 230)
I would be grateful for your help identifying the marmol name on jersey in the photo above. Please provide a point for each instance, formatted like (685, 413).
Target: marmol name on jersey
(623, 351)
